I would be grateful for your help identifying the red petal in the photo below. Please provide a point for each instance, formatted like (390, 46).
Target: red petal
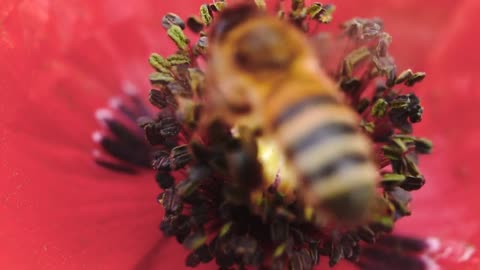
(59, 210)
(446, 206)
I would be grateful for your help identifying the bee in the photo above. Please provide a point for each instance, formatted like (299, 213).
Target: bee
(262, 73)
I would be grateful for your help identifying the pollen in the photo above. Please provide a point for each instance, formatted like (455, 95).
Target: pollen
(277, 173)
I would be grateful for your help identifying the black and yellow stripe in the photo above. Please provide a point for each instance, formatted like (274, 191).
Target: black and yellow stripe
(322, 141)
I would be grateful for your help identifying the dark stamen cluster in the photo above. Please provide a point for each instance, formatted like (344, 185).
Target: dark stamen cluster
(387, 111)
(123, 147)
(209, 177)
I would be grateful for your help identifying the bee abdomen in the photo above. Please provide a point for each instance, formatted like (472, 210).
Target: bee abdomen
(301, 106)
(328, 151)
(345, 162)
(319, 134)
(323, 142)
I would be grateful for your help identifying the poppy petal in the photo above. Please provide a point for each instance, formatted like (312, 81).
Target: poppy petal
(63, 61)
(446, 206)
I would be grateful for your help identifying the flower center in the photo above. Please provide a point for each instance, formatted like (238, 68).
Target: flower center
(235, 198)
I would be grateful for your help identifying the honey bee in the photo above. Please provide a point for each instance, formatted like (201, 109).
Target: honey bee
(263, 74)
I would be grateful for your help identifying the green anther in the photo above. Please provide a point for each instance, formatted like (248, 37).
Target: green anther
(386, 222)
(177, 35)
(178, 59)
(327, 13)
(401, 144)
(188, 111)
(279, 250)
(423, 146)
(368, 126)
(197, 80)
(405, 138)
(416, 77)
(400, 103)
(159, 63)
(258, 201)
(392, 153)
(393, 178)
(205, 15)
(354, 58)
(225, 229)
(405, 75)
(379, 108)
(198, 242)
(160, 78)
(412, 167)
(314, 10)
(220, 4)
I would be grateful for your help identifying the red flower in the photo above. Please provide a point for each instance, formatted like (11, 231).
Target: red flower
(63, 60)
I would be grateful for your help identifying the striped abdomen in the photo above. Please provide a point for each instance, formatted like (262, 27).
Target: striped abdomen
(321, 139)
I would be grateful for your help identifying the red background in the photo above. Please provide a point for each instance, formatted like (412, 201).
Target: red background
(61, 60)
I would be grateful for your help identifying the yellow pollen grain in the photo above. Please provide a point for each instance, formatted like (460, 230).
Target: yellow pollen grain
(275, 166)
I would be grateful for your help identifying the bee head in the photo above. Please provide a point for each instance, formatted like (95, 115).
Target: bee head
(230, 18)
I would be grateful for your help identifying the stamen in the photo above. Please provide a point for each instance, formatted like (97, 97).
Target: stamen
(122, 140)
(125, 152)
(107, 163)
(116, 103)
(215, 200)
